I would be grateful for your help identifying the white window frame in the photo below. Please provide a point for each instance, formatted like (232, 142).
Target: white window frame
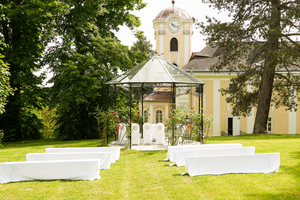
(161, 116)
(270, 125)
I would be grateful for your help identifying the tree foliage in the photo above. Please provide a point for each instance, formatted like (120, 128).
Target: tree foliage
(5, 88)
(141, 46)
(86, 55)
(263, 32)
(26, 27)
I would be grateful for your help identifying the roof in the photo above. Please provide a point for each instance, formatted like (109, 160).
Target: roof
(173, 10)
(155, 71)
(159, 96)
(210, 55)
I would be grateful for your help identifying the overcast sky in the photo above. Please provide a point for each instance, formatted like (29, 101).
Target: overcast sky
(195, 8)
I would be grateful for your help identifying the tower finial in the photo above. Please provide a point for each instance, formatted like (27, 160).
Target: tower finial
(173, 2)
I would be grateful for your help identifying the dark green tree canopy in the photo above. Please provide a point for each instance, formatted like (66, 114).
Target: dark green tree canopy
(86, 55)
(26, 27)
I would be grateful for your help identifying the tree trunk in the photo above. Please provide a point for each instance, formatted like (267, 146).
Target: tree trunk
(266, 86)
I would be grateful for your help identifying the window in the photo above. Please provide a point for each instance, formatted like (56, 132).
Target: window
(174, 45)
(145, 116)
(269, 124)
(159, 116)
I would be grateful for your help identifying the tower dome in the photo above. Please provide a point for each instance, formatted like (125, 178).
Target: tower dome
(173, 10)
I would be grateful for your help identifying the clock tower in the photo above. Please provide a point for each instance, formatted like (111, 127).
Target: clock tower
(173, 33)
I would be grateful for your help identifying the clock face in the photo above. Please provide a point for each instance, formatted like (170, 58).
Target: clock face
(174, 25)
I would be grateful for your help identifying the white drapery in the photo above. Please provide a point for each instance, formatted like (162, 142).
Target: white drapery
(256, 163)
(49, 170)
(115, 151)
(179, 156)
(105, 157)
(172, 149)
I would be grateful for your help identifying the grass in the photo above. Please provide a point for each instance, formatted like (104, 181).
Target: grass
(144, 175)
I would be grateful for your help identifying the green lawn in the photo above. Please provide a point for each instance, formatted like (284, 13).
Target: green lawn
(144, 175)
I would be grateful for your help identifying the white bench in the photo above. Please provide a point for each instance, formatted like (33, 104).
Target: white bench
(256, 163)
(105, 157)
(114, 150)
(179, 156)
(49, 170)
(172, 149)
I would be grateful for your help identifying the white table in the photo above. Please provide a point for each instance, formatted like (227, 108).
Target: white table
(105, 157)
(179, 156)
(115, 151)
(256, 163)
(49, 170)
(172, 149)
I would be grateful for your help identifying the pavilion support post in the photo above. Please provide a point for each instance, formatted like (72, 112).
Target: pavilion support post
(201, 110)
(116, 96)
(107, 106)
(142, 110)
(130, 115)
(173, 107)
(107, 98)
(174, 96)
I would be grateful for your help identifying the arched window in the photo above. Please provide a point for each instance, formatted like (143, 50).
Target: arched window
(158, 116)
(145, 116)
(174, 44)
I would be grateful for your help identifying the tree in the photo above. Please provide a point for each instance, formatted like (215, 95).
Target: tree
(26, 27)
(261, 32)
(142, 46)
(5, 89)
(85, 57)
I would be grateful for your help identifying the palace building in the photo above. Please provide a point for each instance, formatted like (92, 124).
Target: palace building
(173, 30)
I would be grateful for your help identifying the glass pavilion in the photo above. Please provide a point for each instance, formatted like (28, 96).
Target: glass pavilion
(160, 74)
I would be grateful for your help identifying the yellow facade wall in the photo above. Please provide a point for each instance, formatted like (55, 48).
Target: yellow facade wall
(280, 121)
(223, 107)
(208, 104)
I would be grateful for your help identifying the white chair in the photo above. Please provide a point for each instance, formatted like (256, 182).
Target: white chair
(147, 132)
(182, 133)
(135, 134)
(160, 133)
(122, 133)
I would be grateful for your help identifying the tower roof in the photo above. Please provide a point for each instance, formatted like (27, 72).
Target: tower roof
(173, 10)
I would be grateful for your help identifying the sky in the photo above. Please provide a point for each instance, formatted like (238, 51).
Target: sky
(195, 8)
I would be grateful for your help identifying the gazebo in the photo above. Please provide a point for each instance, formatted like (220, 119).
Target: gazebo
(158, 73)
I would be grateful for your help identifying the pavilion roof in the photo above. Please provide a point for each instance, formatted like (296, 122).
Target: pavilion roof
(155, 71)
